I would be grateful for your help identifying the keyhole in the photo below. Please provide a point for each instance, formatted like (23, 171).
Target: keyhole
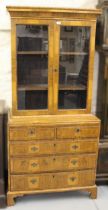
(77, 130)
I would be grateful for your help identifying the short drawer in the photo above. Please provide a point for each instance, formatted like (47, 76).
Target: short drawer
(52, 147)
(52, 163)
(52, 180)
(77, 132)
(31, 133)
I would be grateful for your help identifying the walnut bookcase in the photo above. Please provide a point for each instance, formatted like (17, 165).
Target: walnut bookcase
(52, 136)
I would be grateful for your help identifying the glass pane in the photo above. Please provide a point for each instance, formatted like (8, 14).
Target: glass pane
(73, 67)
(32, 99)
(32, 66)
(105, 16)
(32, 38)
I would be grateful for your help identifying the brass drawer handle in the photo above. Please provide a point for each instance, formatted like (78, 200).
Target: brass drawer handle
(34, 165)
(72, 179)
(33, 181)
(74, 162)
(75, 146)
(34, 149)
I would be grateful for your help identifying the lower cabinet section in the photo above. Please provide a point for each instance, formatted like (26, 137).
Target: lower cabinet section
(52, 157)
(52, 180)
(52, 163)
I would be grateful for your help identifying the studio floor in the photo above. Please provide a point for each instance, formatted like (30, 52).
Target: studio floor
(63, 201)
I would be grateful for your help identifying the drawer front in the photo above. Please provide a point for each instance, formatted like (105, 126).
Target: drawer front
(52, 163)
(52, 180)
(77, 132)
(53, 147)
(31, 133)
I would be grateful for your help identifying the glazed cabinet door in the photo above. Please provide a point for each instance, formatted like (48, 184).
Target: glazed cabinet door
(32, 43)
(73, 66)
(52, 66)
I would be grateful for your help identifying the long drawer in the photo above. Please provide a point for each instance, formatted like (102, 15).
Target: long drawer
(52, 180)
(31, 133)
(52, 163)
(67, 132)
(52, 147)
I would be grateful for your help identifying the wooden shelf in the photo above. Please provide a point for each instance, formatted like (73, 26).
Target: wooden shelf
(45, 87)
(72, 87)
(32, 52)
(46, 52)
(73, 53)
(32, 87)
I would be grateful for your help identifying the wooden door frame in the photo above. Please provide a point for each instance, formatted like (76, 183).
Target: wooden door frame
(25, 21)
(53, 65)
(92, 25)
